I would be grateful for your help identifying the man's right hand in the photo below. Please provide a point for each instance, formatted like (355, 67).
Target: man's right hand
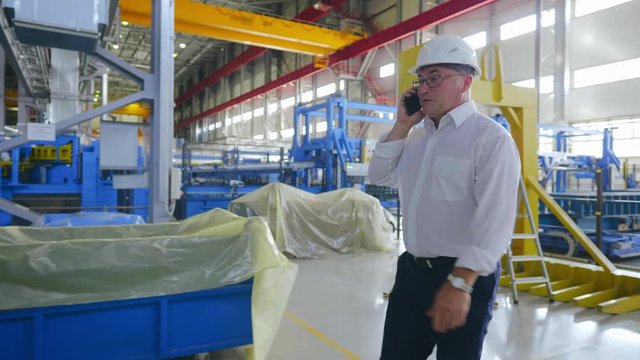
(404, 122)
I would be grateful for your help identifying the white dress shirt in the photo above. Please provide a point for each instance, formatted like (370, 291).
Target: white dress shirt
(458, 187)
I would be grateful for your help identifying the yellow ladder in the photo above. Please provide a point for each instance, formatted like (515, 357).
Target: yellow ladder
(539, 257)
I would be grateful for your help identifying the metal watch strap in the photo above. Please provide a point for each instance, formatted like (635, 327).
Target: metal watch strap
(459, 283)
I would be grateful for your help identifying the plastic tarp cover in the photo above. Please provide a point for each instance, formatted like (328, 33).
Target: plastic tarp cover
(73, 265)
(310, 225)
(86, 218)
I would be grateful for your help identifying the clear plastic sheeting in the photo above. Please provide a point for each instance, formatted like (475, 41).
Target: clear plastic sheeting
(86, 218)
(310, 225)
(72, 265)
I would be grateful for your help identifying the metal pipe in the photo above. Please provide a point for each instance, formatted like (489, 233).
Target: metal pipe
(598, 212)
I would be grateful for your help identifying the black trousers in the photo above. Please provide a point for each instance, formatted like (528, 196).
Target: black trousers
(408, 334)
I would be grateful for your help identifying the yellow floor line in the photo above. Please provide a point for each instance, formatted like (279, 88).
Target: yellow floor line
(327, 340)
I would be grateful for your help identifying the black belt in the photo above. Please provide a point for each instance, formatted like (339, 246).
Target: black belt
(434, 262)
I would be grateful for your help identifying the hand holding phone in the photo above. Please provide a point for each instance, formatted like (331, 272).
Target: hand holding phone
(412, 104)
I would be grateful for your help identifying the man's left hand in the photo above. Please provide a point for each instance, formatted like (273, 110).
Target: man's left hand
(450, 308)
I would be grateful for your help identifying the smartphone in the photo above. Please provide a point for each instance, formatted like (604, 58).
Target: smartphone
(412, 104)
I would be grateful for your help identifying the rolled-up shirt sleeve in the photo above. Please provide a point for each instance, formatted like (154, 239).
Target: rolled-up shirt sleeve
(495, 191)
(383, 166)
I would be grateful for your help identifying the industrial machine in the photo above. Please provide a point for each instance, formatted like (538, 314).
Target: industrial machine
(215, 174)
(320, 159)
(63, 176)
(615, 212)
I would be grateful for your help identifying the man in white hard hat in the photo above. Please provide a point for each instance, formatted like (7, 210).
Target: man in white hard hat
(457, 178)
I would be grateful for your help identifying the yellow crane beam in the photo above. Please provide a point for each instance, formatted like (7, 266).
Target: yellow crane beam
(243, 27)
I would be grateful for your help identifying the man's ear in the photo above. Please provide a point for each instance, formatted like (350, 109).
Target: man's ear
(468, 79)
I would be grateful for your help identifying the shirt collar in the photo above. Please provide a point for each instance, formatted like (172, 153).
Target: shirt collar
(462, 112)
(459, 115)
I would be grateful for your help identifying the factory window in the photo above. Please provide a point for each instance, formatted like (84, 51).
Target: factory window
(341, 85)
(602, 74)
(326, 90)
(626, 138)
(478, 40)
(272, 135)
(546, 84)
(545, 141)
(258, 112)
(526, 25)
(211, 127)
(321, 127)
(286, 133)
(288, 102)
(271, 108)
(258, 137)
(246, 116)
(236, 119)
(585, 7)
(387, 70)
(227, 121)
(306, 96)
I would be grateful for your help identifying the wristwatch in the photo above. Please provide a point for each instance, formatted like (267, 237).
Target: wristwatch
(459, 283)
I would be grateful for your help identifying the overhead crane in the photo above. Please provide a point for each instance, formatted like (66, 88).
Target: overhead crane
(244, 27)
(432, 17)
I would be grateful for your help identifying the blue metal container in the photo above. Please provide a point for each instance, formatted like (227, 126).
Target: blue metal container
(149, 328)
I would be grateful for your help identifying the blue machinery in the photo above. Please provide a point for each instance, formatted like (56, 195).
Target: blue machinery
(64, 176)
(333, 152)
(313, 164)
(619, 210)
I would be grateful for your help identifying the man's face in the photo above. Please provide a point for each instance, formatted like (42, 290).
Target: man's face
(441, 89)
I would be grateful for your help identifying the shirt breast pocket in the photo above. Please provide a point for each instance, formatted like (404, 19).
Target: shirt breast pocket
(450, 178)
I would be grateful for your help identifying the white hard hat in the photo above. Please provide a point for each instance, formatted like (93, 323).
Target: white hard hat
(446, 49)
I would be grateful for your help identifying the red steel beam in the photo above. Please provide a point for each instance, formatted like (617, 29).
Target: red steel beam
(431, 17)
(310, 14)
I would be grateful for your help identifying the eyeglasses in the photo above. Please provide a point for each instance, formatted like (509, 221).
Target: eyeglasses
(432, 80)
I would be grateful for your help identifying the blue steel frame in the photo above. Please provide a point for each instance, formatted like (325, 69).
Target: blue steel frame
(335, 144)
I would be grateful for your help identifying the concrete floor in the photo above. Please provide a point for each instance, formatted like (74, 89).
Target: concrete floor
(336, 311)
